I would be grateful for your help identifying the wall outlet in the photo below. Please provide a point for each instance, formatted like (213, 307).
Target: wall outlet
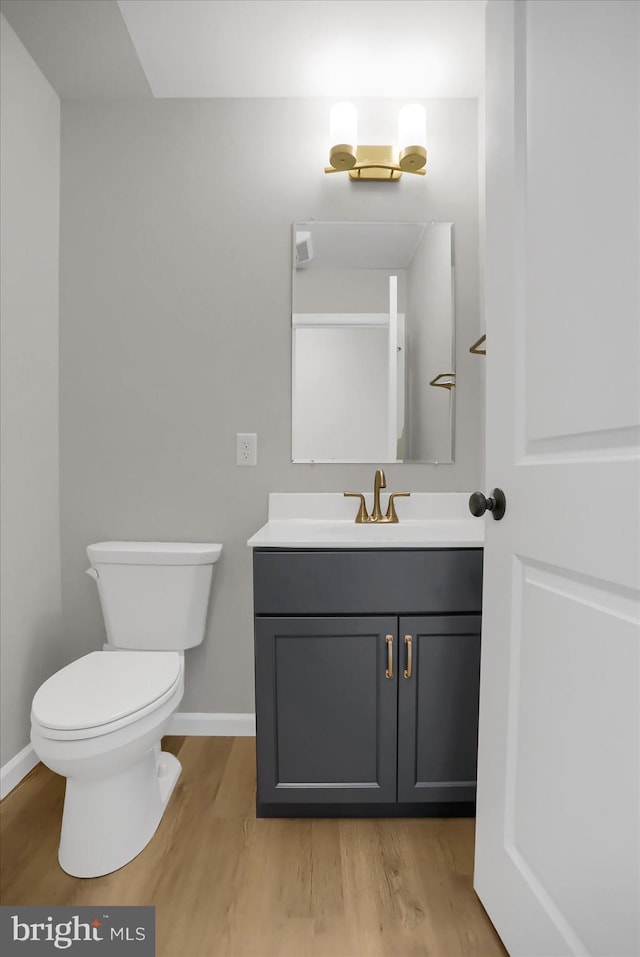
(246, 448)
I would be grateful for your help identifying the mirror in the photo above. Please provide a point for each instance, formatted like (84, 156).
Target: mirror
(372, 328)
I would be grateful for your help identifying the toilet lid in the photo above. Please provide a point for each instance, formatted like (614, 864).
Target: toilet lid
(104, 686)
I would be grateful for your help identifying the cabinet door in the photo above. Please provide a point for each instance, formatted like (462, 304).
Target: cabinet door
(438, 708)
(326, 712)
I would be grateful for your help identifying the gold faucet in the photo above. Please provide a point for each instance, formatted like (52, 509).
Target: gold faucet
(379, 481)
(391, 516)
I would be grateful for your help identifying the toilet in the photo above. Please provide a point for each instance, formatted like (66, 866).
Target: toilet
(99, 720)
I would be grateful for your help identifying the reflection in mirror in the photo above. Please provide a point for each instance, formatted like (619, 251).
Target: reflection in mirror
(373, 325)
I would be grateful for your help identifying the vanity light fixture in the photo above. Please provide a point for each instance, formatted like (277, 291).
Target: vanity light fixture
(377, 162)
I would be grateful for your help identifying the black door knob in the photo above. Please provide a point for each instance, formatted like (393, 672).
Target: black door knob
(496, 504)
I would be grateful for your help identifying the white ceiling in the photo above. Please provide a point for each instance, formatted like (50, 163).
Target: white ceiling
(284, 48)
(255, 48)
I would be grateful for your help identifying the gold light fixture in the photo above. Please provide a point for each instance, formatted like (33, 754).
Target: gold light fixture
(377, 162)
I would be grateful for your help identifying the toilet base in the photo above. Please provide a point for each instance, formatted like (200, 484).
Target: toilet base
(106, 822)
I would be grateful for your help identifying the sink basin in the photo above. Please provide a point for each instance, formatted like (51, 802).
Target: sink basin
(327, 520)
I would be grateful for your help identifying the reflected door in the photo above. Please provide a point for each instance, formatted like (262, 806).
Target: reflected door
(348, 383)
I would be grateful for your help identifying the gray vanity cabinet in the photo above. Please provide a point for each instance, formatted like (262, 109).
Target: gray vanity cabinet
(438, 708)
(344, 721)
(327, 713)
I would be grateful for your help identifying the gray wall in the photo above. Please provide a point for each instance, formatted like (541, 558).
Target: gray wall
(32, 645)
(175, 334)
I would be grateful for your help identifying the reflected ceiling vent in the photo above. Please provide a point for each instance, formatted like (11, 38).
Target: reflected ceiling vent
(304, 250)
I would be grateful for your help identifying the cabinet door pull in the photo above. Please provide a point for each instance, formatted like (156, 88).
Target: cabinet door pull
(389, 672)
(408, 671)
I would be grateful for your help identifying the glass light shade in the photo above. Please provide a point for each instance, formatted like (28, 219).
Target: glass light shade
(343, 125)
(412, 126)
(412, 137)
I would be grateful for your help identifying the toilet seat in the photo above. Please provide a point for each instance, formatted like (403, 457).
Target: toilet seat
(103, 691)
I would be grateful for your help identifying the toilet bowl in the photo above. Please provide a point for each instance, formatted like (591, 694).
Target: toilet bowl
(99, 720)
(106, 744)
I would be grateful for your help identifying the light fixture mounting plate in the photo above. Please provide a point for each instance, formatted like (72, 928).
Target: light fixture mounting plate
(384, 164)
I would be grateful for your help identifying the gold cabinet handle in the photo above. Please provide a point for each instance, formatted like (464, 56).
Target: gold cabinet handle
(389, 672)
(408, 641)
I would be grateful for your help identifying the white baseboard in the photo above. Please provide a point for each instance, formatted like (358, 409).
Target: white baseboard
(12, 773)
(211, 724)
(197, 723)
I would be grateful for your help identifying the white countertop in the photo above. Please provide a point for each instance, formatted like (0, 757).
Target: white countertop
(327, 520)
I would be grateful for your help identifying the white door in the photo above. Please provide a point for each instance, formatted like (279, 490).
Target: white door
(558, 851)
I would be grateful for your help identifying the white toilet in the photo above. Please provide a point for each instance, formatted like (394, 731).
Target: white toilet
(99, 720)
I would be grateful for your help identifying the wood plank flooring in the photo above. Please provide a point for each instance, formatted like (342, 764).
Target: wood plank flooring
(227, 885)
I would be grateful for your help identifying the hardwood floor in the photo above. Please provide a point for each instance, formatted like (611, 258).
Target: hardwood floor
(227, 885)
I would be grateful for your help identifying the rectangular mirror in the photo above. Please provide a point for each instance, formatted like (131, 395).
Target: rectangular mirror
(373, 374)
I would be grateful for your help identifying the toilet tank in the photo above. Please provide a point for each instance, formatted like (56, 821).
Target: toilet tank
(154, 595)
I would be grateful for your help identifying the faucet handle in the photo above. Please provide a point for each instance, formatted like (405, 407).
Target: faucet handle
(363, 516)
(392, 515)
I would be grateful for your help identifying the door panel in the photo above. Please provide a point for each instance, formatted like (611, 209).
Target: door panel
(580, 225)
(557, 839)
(438, 709)
(574, 684)
(326, 710)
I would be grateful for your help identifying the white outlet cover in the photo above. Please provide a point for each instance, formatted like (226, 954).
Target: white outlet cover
(246, 448)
